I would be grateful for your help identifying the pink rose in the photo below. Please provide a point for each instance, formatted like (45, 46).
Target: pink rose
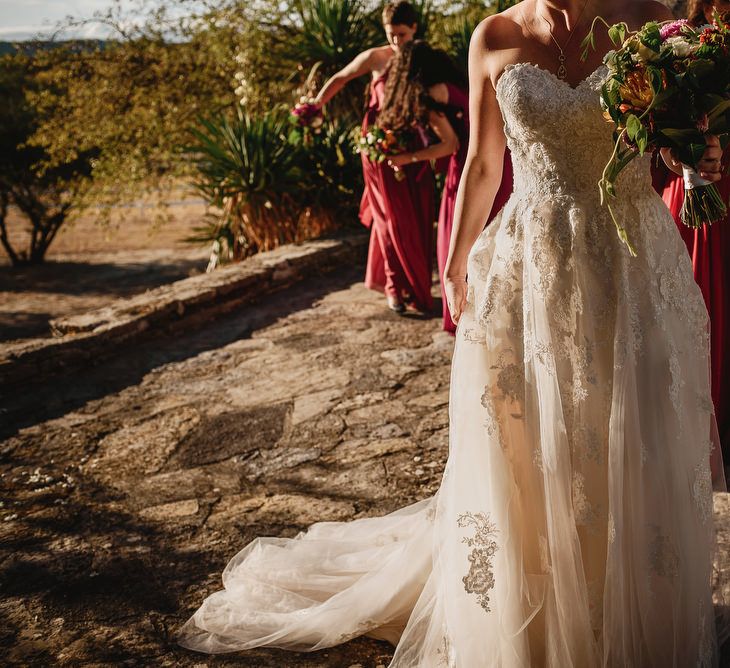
(672, 29)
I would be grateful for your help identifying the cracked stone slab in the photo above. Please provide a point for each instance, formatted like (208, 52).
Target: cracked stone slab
(80, 338)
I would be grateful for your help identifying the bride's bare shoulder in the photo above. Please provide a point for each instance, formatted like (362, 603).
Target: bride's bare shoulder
(499, 31)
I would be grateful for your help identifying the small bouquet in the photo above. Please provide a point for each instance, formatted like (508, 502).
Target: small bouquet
(378, 144)
(668, 86)
(307, 114)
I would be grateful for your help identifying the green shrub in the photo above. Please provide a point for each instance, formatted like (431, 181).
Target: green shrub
(270, 185)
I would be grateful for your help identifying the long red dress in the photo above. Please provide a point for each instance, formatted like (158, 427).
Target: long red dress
(458, 114)
(400, 215)
(709, 248)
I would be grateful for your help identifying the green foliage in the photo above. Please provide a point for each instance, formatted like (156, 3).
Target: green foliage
(458, 38)
(129, 103)
(331, 32)
(270, 185)
(118, 111)
(43, 195)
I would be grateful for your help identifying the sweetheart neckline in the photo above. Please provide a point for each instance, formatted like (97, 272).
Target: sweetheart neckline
(577, 87)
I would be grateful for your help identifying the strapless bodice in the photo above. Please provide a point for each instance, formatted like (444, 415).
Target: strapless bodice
(558, 136)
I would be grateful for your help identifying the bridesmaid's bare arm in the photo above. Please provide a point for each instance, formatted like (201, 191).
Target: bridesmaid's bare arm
(364, 63)
(448, 141)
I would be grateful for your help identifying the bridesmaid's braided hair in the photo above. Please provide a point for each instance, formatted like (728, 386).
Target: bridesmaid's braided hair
(411, 72)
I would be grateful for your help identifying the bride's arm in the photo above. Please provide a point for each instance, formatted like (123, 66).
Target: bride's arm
(482, 173)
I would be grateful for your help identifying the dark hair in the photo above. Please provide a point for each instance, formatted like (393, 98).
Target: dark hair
(400, 13)
(411, 72)
(696, 11)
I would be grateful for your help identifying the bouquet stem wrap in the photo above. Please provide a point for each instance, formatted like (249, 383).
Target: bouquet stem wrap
(702, 201)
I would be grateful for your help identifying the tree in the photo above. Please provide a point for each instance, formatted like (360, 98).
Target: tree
(44, 195)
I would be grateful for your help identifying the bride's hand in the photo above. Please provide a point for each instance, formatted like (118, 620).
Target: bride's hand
(710, 164)
(455, 289)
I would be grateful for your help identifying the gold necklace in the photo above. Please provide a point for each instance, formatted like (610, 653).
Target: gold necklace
(562, 71)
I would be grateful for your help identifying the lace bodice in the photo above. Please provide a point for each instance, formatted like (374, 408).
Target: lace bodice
(549, 124)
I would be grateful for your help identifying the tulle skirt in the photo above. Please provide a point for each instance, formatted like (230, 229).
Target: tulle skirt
(573, 527)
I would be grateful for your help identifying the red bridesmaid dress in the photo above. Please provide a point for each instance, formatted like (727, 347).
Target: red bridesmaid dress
(458, 114)
(400, 214)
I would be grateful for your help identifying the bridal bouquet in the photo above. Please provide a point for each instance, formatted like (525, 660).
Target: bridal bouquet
(378, 144)
(668, 85)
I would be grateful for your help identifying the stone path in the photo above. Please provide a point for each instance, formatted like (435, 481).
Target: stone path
(128, 487)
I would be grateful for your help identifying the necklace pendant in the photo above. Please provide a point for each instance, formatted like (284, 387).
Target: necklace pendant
(562, 72)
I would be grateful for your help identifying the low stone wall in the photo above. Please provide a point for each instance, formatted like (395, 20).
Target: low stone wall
(82, 338)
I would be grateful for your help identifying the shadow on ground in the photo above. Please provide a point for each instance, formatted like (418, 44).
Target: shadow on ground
(33, 296)
(78, 278)
(46, 398)
(79, 559)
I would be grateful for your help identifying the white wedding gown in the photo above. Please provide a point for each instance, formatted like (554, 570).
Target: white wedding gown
(573, 527)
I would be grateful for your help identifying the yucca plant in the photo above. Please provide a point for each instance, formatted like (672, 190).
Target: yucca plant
(333, 167)
(267, 186)
(248, 171)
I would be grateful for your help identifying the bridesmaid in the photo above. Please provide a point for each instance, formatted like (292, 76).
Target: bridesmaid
(709, 248)
(384, 271)
(436, 79)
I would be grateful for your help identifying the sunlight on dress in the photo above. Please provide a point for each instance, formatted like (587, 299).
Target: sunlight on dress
(573, 527)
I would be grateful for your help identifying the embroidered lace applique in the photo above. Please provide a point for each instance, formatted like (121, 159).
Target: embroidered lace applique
(445, 654)
(706, 659)
(702, 487)
(480, 578)
(585, 513)
(663, 557)
(587, 444)
(611, 529)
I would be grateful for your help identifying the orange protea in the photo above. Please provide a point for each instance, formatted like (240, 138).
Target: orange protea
(636, 90)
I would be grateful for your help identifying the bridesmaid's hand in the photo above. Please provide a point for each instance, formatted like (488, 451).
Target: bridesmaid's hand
(400, 160)
(710, 164)
(455, 289)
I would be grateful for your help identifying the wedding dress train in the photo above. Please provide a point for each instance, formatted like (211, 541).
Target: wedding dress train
(573, 527)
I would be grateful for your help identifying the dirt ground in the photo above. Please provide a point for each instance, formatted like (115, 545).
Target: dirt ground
(127, 487)
(89, 265)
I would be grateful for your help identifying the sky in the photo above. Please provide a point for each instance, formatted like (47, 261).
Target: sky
(23, 19)
(27, 19)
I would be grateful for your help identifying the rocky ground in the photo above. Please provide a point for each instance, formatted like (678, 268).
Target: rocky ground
(128, 486)
(69, 284)
(90, 264)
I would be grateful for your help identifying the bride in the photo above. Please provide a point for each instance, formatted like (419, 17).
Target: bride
(573, 526)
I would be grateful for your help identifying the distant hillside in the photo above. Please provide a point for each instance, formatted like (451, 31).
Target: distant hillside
(31, 46)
